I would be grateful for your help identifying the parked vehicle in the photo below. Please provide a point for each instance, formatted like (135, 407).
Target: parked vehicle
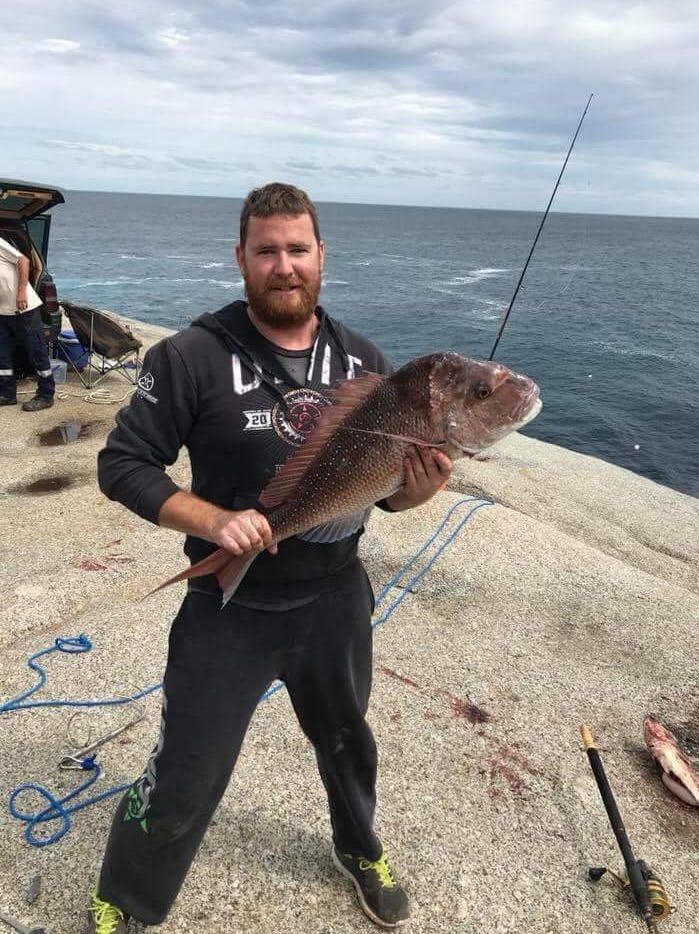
(25, 223)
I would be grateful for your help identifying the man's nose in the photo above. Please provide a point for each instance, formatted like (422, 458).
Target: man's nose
(284, 266)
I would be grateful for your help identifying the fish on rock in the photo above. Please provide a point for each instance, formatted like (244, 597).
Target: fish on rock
(354, 456)
(675, 770)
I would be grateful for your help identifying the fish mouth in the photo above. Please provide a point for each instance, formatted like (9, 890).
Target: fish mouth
(528, 408)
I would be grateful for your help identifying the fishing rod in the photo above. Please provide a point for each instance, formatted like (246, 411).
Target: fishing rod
(538, 233)
(647, 889)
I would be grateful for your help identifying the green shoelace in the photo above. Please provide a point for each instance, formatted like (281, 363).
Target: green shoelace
(381, 868)
(106, 916)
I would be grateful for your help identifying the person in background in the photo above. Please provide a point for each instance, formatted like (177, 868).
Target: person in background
(241, 389)
(21, 324)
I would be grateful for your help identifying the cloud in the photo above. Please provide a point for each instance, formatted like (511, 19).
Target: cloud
(58, 46)
(398, 95)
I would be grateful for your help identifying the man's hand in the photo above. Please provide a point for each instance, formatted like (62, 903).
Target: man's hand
(241, 532)
(238, 531)
(21, 299)
(426, 471)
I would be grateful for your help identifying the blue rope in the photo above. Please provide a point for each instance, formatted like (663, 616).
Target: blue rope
(74, 646)
(56, 809)
(478, 504)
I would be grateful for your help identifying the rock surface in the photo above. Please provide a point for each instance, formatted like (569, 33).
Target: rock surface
(573, 598)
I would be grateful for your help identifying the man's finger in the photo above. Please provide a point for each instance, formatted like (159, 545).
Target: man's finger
(252, 533)
(430, 465)
(442, 463)
(409, 479)
(416, 458)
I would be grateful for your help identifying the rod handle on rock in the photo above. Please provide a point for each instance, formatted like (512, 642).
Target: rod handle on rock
(587, 737)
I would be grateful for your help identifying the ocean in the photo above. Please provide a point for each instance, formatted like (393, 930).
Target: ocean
(607, 320)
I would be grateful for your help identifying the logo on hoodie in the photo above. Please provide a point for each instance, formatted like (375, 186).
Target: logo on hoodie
(295, 421)
(145, 384)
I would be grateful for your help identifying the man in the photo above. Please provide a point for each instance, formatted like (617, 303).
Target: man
(241, 389)
(21, 324)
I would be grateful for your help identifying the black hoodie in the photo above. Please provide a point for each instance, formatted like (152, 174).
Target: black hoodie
(218, 389)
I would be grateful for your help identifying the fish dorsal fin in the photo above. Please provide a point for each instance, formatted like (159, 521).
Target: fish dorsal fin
(346, 397)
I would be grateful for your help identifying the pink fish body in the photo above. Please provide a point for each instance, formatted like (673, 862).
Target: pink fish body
(675, 771)
(354, 456)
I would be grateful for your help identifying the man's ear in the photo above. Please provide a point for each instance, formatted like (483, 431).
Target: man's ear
(321, 250)
(239, 256)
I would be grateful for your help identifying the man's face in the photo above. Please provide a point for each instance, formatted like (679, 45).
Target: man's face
(281, 266)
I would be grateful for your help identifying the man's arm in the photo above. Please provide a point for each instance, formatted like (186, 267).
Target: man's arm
(22, 281)
(148, 435)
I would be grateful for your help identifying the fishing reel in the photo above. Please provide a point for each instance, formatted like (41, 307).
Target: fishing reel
(657, 896)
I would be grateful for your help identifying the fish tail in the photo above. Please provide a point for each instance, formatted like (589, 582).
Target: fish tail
(232, 572)
(213, 564)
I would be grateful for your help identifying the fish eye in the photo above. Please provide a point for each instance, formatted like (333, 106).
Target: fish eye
(482, 391)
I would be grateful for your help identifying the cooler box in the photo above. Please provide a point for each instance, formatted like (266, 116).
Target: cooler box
(70, 349)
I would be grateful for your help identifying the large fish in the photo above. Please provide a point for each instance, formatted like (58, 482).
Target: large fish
(354, 456)
(675, 771)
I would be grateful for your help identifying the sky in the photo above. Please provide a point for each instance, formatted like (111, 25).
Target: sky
(454, 104)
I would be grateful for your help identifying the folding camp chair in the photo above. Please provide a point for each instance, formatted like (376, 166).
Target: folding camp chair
(110, 345)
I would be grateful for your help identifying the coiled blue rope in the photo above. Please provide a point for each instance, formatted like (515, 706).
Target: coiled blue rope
(57, 810)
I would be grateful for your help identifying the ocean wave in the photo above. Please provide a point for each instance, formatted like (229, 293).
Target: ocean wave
(188, 261)
(335, 282)
(223, 283)
(476, 275)
(624, 350)
(122, 280)
(131, 256)
(128, 280)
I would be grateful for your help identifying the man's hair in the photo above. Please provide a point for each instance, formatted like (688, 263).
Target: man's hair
(276, 198)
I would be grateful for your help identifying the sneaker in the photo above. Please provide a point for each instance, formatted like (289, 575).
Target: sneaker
(6, 400)
(104, 918)
(38, 403)
(380, 896)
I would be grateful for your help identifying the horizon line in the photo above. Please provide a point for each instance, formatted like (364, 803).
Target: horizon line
(433, 207)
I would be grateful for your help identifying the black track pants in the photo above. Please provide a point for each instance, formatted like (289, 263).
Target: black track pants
(220, 662)
(24, 330)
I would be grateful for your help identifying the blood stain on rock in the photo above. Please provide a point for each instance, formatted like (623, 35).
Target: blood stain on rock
(398, 677)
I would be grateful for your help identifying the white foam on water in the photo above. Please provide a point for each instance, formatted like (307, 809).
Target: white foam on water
(223, 283)
(625, 350)
(476, 275)
(127, 280)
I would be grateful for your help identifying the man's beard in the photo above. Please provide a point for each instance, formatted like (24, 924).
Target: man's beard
(277, 309)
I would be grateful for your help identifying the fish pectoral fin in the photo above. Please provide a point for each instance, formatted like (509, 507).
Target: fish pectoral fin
(232, 573)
